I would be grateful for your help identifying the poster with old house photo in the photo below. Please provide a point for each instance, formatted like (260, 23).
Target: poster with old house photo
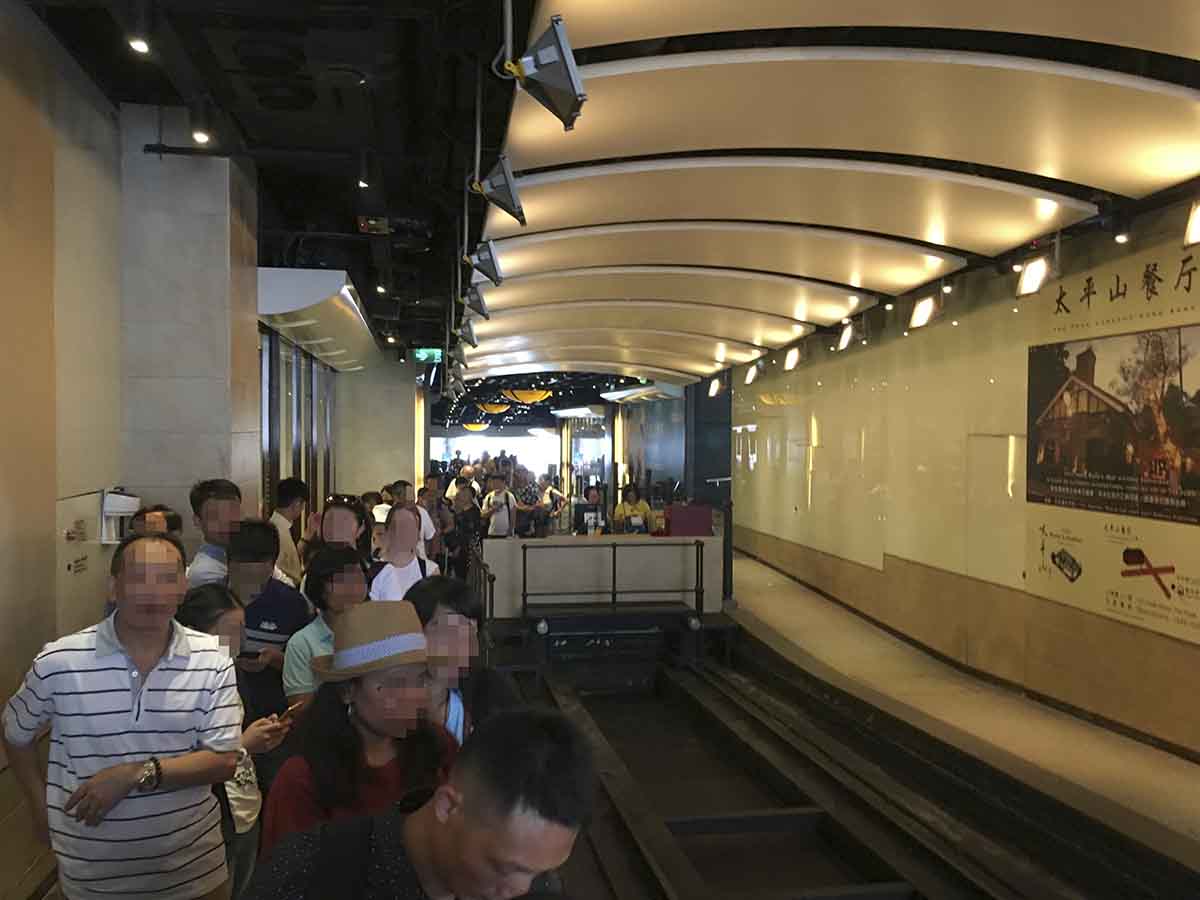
(1114, 424)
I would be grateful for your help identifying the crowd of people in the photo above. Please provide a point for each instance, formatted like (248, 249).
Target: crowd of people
(300, 710)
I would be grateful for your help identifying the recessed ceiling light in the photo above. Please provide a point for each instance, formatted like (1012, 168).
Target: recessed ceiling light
(1121, 238)
(362, 184)
(845, 321)
(889, 306)
(139, 45)
(947, 289)
(380, 289)
(391, 339)
(955, 323)
(1017, 267)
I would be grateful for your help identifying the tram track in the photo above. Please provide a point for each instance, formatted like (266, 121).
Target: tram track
(728, 781)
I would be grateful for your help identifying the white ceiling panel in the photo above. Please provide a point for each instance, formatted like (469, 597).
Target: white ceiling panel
(851, 259)
(1172, 26)
(704, 347)
(1116, 132)
(676, 361)
(805, 301)
(962, 211)
(746, 327)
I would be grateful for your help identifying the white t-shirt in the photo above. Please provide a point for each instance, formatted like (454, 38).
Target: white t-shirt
(428, 532)
(505, 505)
(393, 582)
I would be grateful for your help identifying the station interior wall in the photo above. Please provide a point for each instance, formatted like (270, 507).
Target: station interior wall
(374, 412)
(892, 478)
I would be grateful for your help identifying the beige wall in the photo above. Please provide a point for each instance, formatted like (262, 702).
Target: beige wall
(892, 476)
(374, 422)
(59, 246)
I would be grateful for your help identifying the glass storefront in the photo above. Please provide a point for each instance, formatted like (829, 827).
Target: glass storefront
(297, 417)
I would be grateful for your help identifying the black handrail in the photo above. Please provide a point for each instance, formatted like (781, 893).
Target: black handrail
(697, 590)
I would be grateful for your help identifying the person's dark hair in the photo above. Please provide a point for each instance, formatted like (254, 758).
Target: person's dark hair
(202, 606)
(213, 489)
(355, 505)
(531, 760)
(325, 563)
(254, 540)
(400, 486)
(422, 492)
(630, 489)
(371, 499)
(445, 591)
(499, 476)
(117, 565)
(333, 749)
(411, 509)
(591, 487)
(174, 519)
(289, 491)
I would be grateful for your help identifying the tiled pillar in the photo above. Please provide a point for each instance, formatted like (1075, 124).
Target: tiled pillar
(188, 317)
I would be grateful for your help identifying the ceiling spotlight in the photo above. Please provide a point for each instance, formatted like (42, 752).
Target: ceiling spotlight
(474, 300)
(380, 289)
(1033, 276)
(955, 323)
(889, 306)
(467, 333)
(548, 74)
(1191, 235)
(485, 261)
(402, 355)
(1016, 309)
(201, 122)
(500, 189)
(947, 289)
(391, 339)
(922, 314)
(139, 37)
(714, 387)
(1121, 237)
(751, 374)
(1017, 267)
(846, 338)
(845, 321)
(792, 359)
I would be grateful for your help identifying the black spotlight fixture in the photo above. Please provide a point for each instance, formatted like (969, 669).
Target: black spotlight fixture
(139, 36)
(200, 118)
(467, 331)
(474, 301)
(486, 262)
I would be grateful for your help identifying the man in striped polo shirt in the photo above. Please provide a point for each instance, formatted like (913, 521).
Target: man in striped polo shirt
(144, 718)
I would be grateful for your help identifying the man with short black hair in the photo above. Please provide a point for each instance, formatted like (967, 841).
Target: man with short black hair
(402, 491)
(216, 509)
(500, 509)
(145, 718)
(157, 519)
(291, 495)
(518, 795)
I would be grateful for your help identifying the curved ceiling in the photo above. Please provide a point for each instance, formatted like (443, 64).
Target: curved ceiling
(981, 215)
(723, 322)
(1044, 118)
(852, 260)
(743, 196)
(607, 367)
(1174, 26)
(781, 295)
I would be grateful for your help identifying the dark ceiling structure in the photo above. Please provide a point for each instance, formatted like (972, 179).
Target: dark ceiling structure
(324, 97)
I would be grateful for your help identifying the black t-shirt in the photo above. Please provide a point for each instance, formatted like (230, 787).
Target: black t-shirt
(272, 617)
(291, 867)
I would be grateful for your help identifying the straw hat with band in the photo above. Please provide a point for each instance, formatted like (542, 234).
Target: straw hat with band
(371, 637)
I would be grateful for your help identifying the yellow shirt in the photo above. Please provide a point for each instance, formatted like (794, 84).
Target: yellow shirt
(640, 510)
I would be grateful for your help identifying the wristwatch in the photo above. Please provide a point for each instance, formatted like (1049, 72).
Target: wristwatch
(150, 776)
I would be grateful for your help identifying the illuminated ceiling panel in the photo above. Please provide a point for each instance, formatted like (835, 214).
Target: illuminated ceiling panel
(651, 315)
(806, 301)
(850, 259)
(524, 347)
(1116, 132)
(1174, 26)
(677, 361)
(961, 211)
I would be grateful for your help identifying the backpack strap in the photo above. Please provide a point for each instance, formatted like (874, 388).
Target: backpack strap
(342, 859)
(421, 565)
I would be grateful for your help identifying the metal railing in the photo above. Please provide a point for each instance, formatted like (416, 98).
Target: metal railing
(697, 590)
(481, 581)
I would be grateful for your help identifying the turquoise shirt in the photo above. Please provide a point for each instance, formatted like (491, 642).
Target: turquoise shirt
(313, 640)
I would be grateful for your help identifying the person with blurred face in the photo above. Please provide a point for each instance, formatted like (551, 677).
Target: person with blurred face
(217, 508)
(336, 581)
(404, 567)
(344, 522)
(124, 774)
(464, 692)
(519, 792)
(274, 611)
(365, 738)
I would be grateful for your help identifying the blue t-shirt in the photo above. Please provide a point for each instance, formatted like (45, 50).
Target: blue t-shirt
(272, 617)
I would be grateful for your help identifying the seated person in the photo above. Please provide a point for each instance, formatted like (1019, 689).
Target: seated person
(464, 692)
(632, 515)
(364, 741)
(404, 566)
(589, 516)
(336, 580)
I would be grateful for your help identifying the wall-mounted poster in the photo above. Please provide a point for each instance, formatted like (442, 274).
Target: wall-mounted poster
(1114, 424)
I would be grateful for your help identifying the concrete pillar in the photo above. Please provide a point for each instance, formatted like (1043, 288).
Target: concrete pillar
(188, 317)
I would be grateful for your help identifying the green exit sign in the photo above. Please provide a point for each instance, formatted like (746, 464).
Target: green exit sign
(428, 354)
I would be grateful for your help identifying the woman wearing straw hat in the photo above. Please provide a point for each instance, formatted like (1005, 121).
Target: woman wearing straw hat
(364, 741)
